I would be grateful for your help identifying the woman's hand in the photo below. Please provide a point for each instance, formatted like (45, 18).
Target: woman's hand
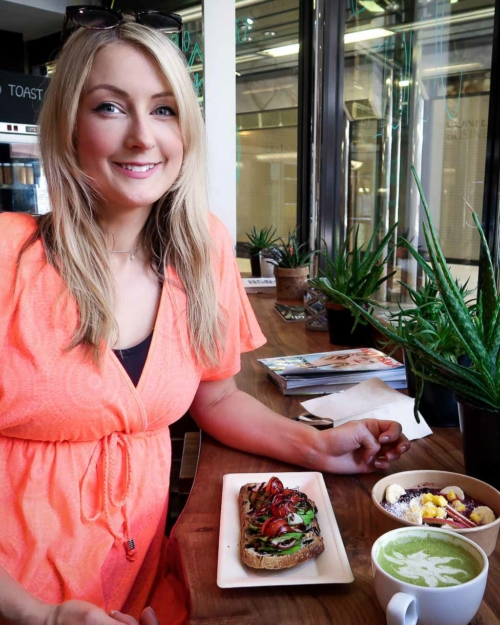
(148, 617)
(83, 613)
(360, 446)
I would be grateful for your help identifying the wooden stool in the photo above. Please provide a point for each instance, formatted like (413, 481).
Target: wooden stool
(189, 461)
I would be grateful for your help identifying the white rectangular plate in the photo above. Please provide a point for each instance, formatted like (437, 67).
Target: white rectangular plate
(331, 567)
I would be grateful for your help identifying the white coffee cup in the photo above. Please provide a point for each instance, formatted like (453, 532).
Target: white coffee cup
(408, 604)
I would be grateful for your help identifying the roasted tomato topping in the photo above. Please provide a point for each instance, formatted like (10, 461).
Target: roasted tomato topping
(274, 486)
(275, 527)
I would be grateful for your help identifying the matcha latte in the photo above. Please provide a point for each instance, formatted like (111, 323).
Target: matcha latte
(428, 561)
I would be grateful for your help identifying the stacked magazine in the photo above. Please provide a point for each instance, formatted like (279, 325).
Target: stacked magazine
(259, 285)
(330, 372)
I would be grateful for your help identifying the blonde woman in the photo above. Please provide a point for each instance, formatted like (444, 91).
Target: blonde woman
(119, 311)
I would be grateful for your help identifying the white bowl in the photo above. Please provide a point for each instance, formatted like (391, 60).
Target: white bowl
(484, 535)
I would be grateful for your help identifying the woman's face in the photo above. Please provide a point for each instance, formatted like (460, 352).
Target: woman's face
(128, 135)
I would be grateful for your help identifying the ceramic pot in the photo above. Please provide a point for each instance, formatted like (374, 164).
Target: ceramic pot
(315, 309)
(255, 265)
(340, 325)
(480, 429)
(291, 283)
(437, 404)
(266, 268)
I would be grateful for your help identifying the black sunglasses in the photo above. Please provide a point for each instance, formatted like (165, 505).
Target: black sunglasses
(98, 18)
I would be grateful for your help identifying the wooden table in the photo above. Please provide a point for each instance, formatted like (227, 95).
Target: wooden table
(196, 534)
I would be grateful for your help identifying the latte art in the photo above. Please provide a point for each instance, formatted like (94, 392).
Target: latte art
(428, 562)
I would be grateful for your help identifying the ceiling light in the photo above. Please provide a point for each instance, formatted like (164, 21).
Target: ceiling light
(293, 48)
(404, 83)
(365, 35)
(249, 20)
(278, 156)
(453, 1)
(462, 67)
(269, 33)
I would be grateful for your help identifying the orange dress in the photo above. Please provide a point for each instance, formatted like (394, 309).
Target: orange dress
(84, 455)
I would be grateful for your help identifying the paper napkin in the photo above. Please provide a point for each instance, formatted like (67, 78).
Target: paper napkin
(371, 399)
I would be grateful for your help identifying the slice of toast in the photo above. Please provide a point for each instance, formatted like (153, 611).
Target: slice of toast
(254, 553)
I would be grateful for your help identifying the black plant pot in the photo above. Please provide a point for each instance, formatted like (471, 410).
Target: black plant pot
(438, 405)
(340, 324)
(255, 265)
(480, 429)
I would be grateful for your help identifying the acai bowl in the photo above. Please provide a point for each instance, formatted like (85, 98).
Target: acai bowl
(452, 496)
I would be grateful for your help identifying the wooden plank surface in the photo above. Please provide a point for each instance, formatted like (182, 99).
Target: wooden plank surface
(196, 534)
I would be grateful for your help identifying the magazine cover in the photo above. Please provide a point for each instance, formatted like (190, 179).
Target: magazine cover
(343, 361)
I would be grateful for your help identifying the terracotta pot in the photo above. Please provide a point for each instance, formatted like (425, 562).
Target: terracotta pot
(291, 283)
(480, 429)
(340, 324)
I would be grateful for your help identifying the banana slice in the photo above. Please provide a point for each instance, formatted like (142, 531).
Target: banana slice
(452, 492)
(394, 492)
(482, 515)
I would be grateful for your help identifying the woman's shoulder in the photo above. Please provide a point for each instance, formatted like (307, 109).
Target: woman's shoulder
(220, 234)
(15, 229)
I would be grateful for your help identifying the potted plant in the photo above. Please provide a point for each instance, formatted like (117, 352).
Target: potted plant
(358, 274)
(291, 267)
(259, 240)
(477, 328)
(428, 322)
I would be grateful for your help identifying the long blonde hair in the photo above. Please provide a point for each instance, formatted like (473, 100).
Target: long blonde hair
(176, 233)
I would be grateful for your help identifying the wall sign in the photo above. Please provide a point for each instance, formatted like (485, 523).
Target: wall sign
(21, 97)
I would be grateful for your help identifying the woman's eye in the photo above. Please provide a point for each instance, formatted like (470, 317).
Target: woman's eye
(164, 111)
(107, 107)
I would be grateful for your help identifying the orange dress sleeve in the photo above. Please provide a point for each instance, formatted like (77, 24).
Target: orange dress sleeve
(243, 333)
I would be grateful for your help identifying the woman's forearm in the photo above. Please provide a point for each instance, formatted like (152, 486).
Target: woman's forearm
(17, 605)
(241, 421)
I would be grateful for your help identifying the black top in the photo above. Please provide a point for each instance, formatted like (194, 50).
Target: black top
(134, 358)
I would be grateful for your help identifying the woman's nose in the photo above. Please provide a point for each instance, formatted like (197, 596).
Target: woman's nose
(140, 135)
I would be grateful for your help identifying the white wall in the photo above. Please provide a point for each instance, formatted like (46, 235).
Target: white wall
(220, 107)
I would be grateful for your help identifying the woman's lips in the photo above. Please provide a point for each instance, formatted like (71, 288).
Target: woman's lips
(136, 174)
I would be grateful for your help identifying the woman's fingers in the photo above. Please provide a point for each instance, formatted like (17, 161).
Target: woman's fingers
(123, 618)
(148, 617)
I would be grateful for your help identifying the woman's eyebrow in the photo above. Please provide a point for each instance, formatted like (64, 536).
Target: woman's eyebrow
(121, 92)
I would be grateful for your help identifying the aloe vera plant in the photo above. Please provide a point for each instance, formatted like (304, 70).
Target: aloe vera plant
(357, 274)
(262, 239)
(476, 327)
(289, 254)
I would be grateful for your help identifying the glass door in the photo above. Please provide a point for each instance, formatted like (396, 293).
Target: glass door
(416, 92)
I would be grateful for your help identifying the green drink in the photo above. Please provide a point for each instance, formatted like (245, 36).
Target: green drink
(428, 561)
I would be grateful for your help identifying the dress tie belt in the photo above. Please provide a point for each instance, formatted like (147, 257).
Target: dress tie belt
(107, 448)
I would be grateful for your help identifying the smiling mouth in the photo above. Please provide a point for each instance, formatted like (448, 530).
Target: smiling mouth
(140, 168)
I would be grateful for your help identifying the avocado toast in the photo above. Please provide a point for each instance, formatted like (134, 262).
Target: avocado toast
(279, 528)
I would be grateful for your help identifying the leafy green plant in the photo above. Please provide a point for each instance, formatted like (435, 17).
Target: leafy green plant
(359, 273)
(290, 254)
(427, 319)
(477, 326)
(262, 239)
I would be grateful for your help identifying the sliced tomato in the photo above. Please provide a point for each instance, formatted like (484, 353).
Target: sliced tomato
(275, 527)
(274, 486)
(283, 508)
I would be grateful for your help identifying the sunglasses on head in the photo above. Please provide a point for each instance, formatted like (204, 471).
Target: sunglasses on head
(98, 18)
